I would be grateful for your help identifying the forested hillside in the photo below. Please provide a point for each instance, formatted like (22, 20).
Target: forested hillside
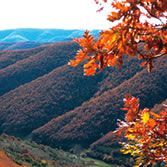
(22, 45)
(31, 64)
(55, 104)
(99, 115)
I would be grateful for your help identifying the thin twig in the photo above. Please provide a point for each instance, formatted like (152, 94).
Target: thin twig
(159, 55)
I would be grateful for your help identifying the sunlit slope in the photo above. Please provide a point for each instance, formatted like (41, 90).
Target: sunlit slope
(99, 115)
(41, 93)
(33, 104)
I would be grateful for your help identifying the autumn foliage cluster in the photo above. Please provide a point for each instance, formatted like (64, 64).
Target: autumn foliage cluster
(134, 28)
(146, 132)
(140, 29)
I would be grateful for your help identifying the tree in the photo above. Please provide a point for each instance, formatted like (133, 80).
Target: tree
(140, 29)
(146, 133)
(131, 36)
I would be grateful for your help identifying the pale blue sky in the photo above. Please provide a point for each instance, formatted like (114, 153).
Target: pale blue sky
(65, 14)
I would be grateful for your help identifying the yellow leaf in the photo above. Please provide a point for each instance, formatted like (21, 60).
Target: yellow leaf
(161, 144)
(130, 136)
(130, 130)
(43, 161)
(114, 37)
(145, 116)
(125, 151)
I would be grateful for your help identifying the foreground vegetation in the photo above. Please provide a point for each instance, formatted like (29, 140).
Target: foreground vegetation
(29, 154)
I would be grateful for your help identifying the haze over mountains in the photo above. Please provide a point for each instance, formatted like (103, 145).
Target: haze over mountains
(29, 38)
(55, 104)
(40, 35)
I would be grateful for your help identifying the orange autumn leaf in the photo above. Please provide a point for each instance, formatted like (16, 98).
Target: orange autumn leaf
(112, 61)
(164, 50)
(151, 123)
(73, 62)
(89, 64)
(155, 115)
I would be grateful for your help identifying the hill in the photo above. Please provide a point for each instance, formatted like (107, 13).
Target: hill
(42, 97)
(26, 65)
(98, 116)
(22, 45)
(53, 94)
(159, 107)
(8, 58)
(53, 90)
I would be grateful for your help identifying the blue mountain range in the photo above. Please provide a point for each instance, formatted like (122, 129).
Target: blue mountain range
(41, 35)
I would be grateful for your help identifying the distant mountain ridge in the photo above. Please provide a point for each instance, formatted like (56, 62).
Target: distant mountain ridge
(22, 45)
(40, 35)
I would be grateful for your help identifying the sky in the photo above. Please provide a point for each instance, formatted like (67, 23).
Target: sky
(62, 14)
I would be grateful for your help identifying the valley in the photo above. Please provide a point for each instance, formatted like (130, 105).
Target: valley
(44, 100)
